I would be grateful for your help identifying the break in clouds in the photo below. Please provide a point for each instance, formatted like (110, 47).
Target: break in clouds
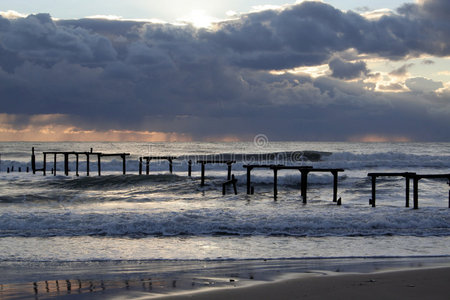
(229, 80)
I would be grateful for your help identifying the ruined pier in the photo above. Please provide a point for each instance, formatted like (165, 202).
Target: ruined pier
(304, 171)
(408, 176)
(66, 155)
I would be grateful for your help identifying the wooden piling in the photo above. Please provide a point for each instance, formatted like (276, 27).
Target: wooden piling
(76, 164)
(140, 165)
(44, 167)
(202, 183)
(249, 170)
(304, 184)
(275, 183)
(87, 163)
(407, 183)
(189, 168)
(99, 164)
(124, 166)
(170, 165)
(335, 185)
(54, 164)
(229, 170)
(416, 192)
(66, 164)
(232, 181)
(374, 183)
(33, 161)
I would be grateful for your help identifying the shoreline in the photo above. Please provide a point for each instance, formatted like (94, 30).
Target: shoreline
(208, 279)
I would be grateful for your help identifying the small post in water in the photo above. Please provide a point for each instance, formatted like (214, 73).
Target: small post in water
(374, 181)
(170, 165)
(189, 168)
(33, 161)
(416, 192)
(124, 166)
(99, 164)
(203, 174)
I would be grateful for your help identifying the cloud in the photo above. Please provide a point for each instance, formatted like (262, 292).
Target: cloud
(57, 127)
(138, 77)
(428, 62)
(402, 71)
(420, 84)
(391, 87)
(347, 70)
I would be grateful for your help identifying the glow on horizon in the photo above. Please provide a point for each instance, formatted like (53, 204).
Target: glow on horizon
(379, 138)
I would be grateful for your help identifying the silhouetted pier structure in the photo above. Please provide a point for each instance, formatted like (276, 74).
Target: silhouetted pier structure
(232, 182)
(229, 164)
(408, 176)
(149, 158)
(304, 171)
(66, 155)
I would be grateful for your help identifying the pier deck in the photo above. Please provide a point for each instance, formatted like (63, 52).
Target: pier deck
(408, 176)
(229, 164)
(66, 155)
(149, 158)
(304, 170)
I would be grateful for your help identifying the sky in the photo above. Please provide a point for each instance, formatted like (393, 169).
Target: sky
(370, 71)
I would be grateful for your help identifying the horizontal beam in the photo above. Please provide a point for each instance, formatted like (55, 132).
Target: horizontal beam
(281, 167)
(159, 157)
(387, 174)
(71, 152)
(114, 154)
(216, 161)
(433, 176)
(258, 166)
(326, 170)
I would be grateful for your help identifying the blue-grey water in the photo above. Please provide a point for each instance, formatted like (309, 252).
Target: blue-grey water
(170, 217)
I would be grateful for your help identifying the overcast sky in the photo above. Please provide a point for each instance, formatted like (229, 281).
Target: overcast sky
(225, 70)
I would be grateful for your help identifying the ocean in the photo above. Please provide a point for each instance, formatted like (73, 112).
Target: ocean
(71, 227)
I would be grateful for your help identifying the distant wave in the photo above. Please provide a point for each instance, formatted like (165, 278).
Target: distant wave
(216, 222)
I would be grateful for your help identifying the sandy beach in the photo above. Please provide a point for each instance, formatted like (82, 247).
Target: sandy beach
(395, 278)
(406, 284)
(417, 283)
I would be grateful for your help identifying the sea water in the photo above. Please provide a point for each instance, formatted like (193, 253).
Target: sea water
(171, 217)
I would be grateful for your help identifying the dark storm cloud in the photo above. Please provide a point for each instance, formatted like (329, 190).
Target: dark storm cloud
(106, 74)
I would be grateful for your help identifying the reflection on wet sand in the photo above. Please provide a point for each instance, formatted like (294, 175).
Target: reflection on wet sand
(57, 288)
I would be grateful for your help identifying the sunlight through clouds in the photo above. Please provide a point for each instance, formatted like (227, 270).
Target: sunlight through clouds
(307, 70)
(199, 18)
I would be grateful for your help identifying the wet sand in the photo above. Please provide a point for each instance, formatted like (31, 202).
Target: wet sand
(410, 284)
(284, 279)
